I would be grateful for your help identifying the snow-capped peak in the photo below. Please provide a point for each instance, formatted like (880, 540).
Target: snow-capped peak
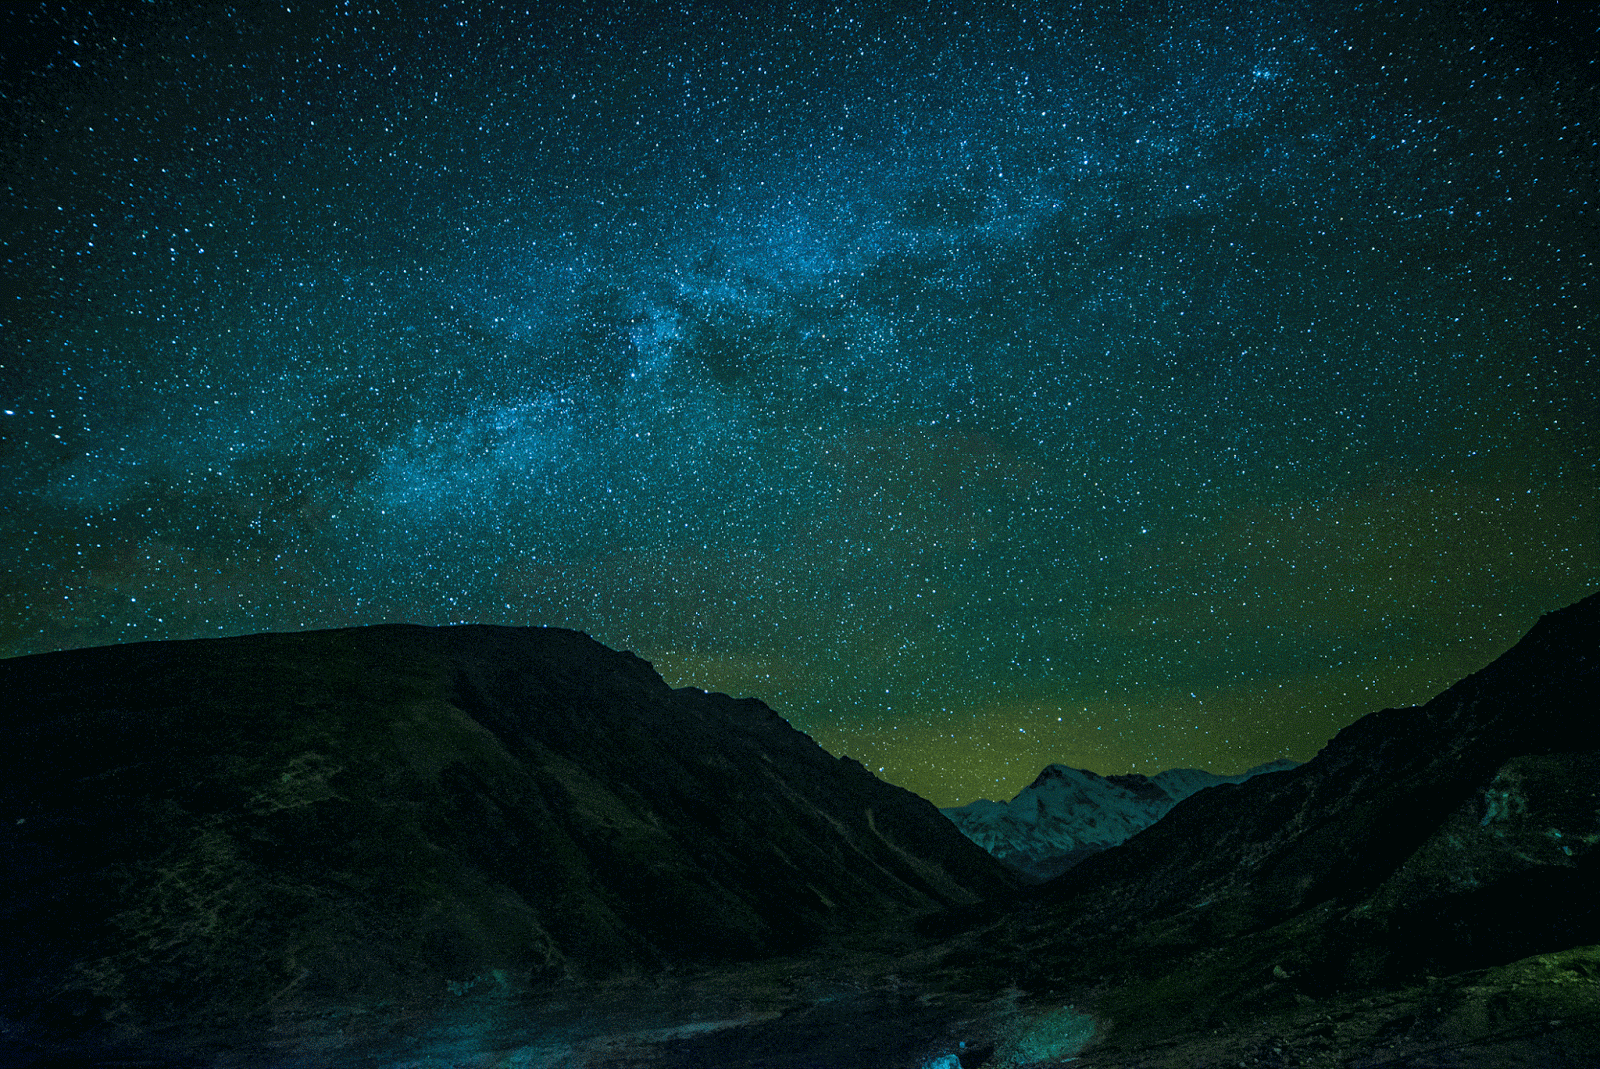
(1066, 813)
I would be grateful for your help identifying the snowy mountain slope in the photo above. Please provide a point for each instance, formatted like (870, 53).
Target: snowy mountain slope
(1066, 814)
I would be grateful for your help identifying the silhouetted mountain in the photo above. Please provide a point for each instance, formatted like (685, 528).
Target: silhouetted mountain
(1068, 814)
(209, 831)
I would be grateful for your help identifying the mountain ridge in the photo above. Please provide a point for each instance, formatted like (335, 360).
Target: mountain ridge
(478, 845)
(1416, 764)
(216, 828)
(1455, 839)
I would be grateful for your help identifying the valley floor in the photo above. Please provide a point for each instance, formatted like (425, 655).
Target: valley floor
(851, 1010)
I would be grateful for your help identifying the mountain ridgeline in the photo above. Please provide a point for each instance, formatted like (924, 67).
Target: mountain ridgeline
(1457, 839)
(198, 830)
(295, 849)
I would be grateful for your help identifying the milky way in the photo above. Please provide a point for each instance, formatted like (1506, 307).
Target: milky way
(1130, 386)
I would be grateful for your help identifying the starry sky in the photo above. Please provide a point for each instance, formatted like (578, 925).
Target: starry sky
(1127, 385)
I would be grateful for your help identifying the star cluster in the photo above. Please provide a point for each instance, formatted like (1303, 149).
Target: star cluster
(1126, 385)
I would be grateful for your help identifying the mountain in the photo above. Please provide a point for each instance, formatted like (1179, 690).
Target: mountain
(1067, 814)
(1433, 872)
(223, 831)
(397, 847)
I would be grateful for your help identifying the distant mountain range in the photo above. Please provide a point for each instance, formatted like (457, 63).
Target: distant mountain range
(1068, 814)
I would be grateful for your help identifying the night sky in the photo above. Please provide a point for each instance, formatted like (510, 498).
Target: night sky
(1124, 385)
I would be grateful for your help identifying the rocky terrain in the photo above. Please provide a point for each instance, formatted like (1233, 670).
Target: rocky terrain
(1440, 861)
(503, 847)
(224, 829)
(1068, 814)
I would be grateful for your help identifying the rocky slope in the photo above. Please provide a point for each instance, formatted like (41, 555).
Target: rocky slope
(1447, 840)
(213, 831)
(1068, 814)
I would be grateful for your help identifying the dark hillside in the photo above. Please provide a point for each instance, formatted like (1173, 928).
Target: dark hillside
(1459, 835)
(206, 830)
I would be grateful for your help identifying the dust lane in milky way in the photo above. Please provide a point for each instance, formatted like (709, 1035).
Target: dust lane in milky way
(1130, 386)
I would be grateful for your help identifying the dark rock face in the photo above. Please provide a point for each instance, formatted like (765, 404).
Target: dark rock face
(200, 831)
(1511, 871)
(1454, 836)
